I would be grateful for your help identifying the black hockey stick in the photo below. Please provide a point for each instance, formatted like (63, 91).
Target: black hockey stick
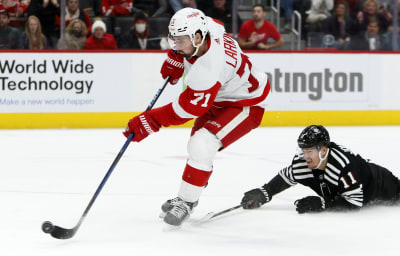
(212, 215)
(64, 233)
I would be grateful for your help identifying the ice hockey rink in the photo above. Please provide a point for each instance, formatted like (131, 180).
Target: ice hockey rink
(52, 174)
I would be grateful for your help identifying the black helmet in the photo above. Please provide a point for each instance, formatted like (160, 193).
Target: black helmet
(313, 136)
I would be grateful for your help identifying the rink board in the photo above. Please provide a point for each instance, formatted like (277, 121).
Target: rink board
(271, 118)
(82, 90)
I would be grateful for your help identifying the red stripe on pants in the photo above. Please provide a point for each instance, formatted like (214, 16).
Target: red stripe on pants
(195, 176)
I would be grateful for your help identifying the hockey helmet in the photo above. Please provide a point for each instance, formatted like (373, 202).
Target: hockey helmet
(187, 22)
(313, 136)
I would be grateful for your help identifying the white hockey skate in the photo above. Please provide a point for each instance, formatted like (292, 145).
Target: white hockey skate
(167, 206)
(176, 211)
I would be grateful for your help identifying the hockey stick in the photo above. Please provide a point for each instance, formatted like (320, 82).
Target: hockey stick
(212, 215)
(64, 233)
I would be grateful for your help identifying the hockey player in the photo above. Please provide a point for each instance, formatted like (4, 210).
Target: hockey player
(225, 93)
(341, 178)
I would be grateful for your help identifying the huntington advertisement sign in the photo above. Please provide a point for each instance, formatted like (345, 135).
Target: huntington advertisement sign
(125, 82)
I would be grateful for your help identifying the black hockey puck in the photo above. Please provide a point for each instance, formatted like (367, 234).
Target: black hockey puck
(47, 227)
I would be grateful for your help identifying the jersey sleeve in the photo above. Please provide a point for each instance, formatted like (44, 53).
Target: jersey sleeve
(351, 189)
(287, 175)
(190, 104)
(275, 186)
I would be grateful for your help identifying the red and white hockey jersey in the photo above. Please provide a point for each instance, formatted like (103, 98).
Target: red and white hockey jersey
(224, 76)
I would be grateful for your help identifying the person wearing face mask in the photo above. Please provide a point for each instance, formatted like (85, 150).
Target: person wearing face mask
(75, 35)
(138, 36)
(342, 179)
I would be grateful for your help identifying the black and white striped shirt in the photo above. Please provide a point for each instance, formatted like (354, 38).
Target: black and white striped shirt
(344, 177)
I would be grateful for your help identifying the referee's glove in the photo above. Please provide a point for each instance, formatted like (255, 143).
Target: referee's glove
(310, 204)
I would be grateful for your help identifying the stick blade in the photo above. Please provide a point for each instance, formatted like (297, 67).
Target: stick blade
(62, 233)
(206, 218)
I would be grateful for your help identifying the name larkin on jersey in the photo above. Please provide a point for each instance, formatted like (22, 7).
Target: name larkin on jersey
(230, 49)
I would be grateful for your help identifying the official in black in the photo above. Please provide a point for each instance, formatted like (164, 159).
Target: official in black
(341, 178)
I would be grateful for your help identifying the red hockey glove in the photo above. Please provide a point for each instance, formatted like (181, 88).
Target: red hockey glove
(173, 67)
(141, 125)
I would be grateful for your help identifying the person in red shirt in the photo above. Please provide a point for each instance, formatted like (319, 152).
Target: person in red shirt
(254, 34)
(116, 7)
(16, 9)
(100, 40)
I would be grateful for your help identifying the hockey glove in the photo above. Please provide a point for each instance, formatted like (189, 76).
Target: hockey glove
(141, 125)
(255, 198)
(310, 204)
(173, 67)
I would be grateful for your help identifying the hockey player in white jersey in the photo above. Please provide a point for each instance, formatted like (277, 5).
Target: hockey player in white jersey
(226, 94)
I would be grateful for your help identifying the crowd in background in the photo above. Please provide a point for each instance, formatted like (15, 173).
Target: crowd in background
(340, 24)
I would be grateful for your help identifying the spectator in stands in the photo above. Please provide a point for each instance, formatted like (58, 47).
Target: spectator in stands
(353, 6)
(223, 13)
(320, 10)
(254, 33)
(287, 6)
(75, 35)
(389, 40)
(74, 12)
(100, 40)
(33, 38)
(116, 7)
(151, 8)
(390, 28)
(370, 40)
(10, 38)
(340, 26)
(138, 36)
(371, 12)
(16, 9)
(46, 11)
(180, 4)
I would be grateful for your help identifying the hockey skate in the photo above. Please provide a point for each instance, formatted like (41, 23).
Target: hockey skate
(167, 206)
(176, 211)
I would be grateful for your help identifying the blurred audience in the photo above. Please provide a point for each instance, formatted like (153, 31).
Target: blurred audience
(254, 33)
(371, 13)
(46, 11)
(138, 36)
(320, 10)
(353, 6)
(180, 4)
(75, 35)
(151, 8)
(116, 7)
(370, 40)
(10, 38)
(33, 38)
(222, 12)
(74, 12)
(287, 6)
(16, 10)
(100, 40)
(340, 26)
(204, 5)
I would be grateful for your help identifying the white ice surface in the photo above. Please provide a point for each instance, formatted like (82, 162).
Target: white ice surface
(52, 174)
